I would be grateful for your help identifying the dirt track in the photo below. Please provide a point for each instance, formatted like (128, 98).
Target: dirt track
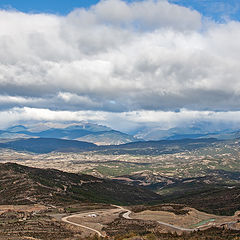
(94, 221)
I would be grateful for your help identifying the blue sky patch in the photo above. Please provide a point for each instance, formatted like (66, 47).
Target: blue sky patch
(218, 10)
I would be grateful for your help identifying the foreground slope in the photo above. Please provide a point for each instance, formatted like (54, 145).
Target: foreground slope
(215, 199)
(218, 192)
(23, 185)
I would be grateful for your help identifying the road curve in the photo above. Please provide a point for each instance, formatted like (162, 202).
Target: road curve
(65, 219)
(126, 215)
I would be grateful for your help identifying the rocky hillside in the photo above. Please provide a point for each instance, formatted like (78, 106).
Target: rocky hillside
(23, 185)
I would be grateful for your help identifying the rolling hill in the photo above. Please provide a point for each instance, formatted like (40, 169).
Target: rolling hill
(25, 185)
(159, 147)
(46, 145)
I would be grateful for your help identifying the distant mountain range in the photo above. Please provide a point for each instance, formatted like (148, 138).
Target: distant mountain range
(194, 131)
(102, 135)
(88, 132)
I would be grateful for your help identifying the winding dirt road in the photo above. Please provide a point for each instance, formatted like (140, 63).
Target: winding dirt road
(177, 227)
(126, 215)
(65, 219)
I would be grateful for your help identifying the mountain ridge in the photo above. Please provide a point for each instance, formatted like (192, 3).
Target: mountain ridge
(26, 185)
(88, 132)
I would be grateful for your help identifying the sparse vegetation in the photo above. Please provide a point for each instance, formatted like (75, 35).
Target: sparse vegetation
(25, 185)
(20, 225)
(177, 209)
(204, 175)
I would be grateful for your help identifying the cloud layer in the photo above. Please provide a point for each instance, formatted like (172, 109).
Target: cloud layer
(119, 57)
(123, 121)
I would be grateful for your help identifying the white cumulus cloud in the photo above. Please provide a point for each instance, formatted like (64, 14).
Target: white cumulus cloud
(119, 57)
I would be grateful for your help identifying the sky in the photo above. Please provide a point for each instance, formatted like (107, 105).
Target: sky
(124, 64)
(216, 9)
